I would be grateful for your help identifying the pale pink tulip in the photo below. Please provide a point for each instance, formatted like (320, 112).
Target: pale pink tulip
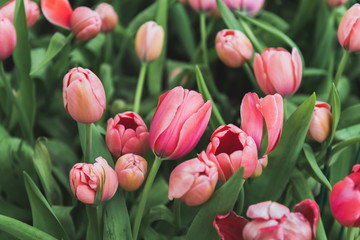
(149, 41)
(321, 122)
(90, 182)
(231, 148)
(179, 121)
(31, 10)
(202, 5)
(57, 12)
(85, 23)
(278, 71)
(348, 31)
(7, 39)
(233, 4)
(83, 95)
(108, 17)
(193, 181)
(131, 171)
(251, 6)
(336, 3)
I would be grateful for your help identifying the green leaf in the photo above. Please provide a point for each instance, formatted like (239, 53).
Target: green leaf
(350, 116)
(335, 112)
(228, 17)
(63, 213)
(222, 202)
(107, 80)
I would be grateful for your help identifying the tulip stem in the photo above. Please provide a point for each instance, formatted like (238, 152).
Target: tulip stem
(203, 38)
(92, 232)
(140, 86)
(88, 142)
(351, 233)
(177, 213)
(251, 35)
(149, 181)
(341, 67)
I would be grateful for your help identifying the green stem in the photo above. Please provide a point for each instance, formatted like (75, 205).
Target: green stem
(140, 86)
(140, 211)
(251, 35)
(177, 213)
(250, 74)
(92, 232)
(341, 67)
(325, 171)
(88, 139)
(351, 233)
(203, 38)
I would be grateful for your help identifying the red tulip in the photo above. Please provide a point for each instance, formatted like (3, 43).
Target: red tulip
(58, 12)
(348, 34)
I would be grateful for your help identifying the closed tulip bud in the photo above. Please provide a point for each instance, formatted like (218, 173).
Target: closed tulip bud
(231, 148)
(131, 171)
(321, 122)
(83, 95)
(193, 181)
(50, 9)
(7, 39)
(149, 41)
(251, 6)
(178, 123)
(85, 23)
(233, 47)
(31, 10)
(92, 183)
(336, 3)
(108, 17)
(278, 71)
(348, 34)
(202, 5)
(127, 133)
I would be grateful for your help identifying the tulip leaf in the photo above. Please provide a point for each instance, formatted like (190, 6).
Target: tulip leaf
(349, 117)
(222, 202)
(63, 213)
(107, 80)
(228, 17)
(335, 112)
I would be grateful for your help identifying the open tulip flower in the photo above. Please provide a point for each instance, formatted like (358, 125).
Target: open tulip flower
(348, 33)
(31, 11)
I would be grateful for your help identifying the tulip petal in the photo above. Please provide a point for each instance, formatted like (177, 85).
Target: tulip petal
(267, 210)
(57, 12)
(260, 229)
(230, 226)
(261, 75)
(310, 210)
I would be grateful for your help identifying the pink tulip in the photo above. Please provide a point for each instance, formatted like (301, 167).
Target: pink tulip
(127, 133)
(345, 199)
(83, 95)
(90, 182)
(233, 47)
(271, 220)
(131, 171)
(108, 17)
(251, 6)
(202, 5)
(7, 39)
(278, 71)
(336, 3)
(233, 4)
(231, 148)
(149, 41)
(31, 10)
(321, 122)
(57, 12)
(348, 34)
(193, 181)
(85, 23)
(179, 121)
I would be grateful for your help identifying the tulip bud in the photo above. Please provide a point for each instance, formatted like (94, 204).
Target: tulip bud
(131, 171)
(31, 10)
(83, 95)
(178, 123)
(127, 133)
(193, 181)
(321, 122)
(336, 3)
(231, 148)
(149, 41)
(278, 71)
(7, 39)
(202, 5)
(348, 34)
(233, 47)
(251, 6)
(108, 17)
(92, 182)
(85, 23)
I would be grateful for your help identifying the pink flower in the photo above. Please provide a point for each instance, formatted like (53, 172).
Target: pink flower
(278, 71)
(85, 23)
(31, 10)
(321, 122)
(131, 171)
(57, 12)
(179, 121)
(90, 182)
(193, 181)
(231, 148)
(127, 133)
(233, 47)
(108, 17)
(251, 6)
(345, 199)
(7, 39)
(202, 5)
(83, 95)
(271, 220)
(348, 34)
(336, 3)
(149, 41)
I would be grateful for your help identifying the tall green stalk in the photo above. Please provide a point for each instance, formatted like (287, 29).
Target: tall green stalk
(203, 38)
(88, 142)
(341, 67)
(139, 87)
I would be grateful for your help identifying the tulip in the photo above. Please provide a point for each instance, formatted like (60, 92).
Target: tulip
(336, 3)
(85, 23)
(131, 171)
(348, 33)
(233, 47)
(321, 122)
(7, 39)
(90, 182)
(233, 4)
(149, 41)
(83, 95)
(127, 133)
(231, 148)
(251, 6)
(50, 9)
(31, 10)
(345, 199)
(179, 121)
(278, 71)
(193, 181)
(108, 17)
(202, 5)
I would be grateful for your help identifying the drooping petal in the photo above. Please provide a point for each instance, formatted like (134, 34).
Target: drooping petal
(230, 226)
(57, 12)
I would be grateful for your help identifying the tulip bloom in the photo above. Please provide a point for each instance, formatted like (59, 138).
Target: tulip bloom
(7, 39)
(278, 71)
(345, 199)
(193, 181)
(31, 10)
(321, 122)
(348, 33)
(50, 9)
(149, 41)
(178, 123)
(90, 182)
(251, 6)
(127, 133)
(83, 95)
(202, 5)
(336, 3)
(231, 148)
(108, 17)
(271, 220)
(131, 171)
(85, 23)
(233, 47)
